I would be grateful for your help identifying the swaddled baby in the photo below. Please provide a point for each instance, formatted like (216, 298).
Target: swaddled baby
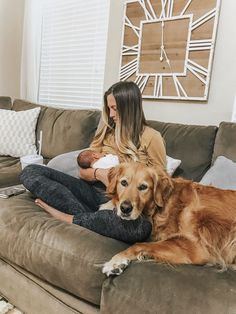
(89, 158)
(92, 159)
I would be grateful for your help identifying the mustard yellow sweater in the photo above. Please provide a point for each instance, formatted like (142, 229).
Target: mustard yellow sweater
(151, 151)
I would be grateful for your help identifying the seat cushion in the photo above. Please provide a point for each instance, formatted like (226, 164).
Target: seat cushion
(154, 288)
(192, 144)
(10, 169)
(65, 255)
(47, 299)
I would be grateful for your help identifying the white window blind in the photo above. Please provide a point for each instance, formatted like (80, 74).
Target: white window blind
(74, 39)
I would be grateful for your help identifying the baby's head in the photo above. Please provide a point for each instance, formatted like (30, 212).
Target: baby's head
(88, 157)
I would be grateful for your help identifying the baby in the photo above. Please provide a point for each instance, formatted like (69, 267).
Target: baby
(89, 158)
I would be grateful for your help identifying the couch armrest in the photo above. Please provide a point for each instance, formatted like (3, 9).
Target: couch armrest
(5, 102)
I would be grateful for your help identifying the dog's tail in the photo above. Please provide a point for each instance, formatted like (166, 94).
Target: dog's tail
(222, 249)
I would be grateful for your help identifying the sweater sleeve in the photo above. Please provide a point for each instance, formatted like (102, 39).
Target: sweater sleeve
(156, 150)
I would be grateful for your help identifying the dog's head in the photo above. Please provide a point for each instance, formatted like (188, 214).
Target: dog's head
(136, 189)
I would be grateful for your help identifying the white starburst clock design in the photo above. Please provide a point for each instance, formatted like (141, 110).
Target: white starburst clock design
(168, 47)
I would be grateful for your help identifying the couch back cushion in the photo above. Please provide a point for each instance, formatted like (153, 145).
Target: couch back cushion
(192, 144)
(5, 102)
(225, 141)
(64, 130)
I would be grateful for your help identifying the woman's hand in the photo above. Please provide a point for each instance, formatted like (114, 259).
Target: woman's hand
(88, 175)
(102, 175)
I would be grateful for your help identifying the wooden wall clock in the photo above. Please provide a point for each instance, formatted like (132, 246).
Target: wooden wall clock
(168, 47)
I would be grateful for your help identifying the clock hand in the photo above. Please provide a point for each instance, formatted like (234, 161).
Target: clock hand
(163, 51)
(162, 41)
(167, 59)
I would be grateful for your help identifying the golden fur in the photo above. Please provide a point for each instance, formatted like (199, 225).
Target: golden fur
(192, 223)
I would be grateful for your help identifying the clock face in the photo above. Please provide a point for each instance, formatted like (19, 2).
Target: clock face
(168, 47)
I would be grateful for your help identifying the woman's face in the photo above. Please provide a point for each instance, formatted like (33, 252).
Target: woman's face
(111, 103)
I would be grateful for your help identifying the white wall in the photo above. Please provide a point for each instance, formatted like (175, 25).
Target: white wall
(223, 80)
(11, 24)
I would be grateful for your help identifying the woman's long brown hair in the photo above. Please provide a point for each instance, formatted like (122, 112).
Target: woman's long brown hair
(130, 119)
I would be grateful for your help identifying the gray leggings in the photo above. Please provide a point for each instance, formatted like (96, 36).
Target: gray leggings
(81, 199)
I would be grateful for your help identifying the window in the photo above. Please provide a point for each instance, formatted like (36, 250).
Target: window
(73, 51)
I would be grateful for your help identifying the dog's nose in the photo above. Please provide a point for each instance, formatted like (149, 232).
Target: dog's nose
(126, 207)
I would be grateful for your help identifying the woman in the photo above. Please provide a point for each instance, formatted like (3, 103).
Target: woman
(125, 133)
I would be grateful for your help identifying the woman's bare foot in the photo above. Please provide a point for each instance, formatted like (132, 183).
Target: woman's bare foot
(53, 211)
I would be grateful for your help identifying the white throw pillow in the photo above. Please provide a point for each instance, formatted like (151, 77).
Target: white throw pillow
(67, 163)
(172, 165)
(222, 174)
(17, 132)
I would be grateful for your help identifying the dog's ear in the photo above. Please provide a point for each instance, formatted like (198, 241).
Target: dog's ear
(112, 178)
(163, 187)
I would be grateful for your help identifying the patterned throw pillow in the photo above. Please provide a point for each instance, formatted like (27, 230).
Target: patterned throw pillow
(17, 132)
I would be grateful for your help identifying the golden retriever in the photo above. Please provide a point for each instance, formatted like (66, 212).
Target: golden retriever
(192, 223)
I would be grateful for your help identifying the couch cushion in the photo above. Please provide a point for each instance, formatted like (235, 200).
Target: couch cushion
(64, 130)
(225, 141)
(10, 169)
(154, 288)
(5, 102)
(192, 144)
(64, 255)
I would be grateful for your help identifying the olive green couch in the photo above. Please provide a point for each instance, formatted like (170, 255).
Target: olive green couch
(50, 267)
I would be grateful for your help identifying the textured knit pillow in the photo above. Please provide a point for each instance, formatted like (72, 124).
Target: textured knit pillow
(17, 132)
(67, 163)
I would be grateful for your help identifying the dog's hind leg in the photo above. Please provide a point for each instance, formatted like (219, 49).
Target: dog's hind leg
(176, 250)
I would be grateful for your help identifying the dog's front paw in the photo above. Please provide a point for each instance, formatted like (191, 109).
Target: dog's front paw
(115, 266)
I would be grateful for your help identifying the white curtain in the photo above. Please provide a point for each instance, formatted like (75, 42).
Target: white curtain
(64, 51)
(31, 49)
(233, 118)
(74, 40)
